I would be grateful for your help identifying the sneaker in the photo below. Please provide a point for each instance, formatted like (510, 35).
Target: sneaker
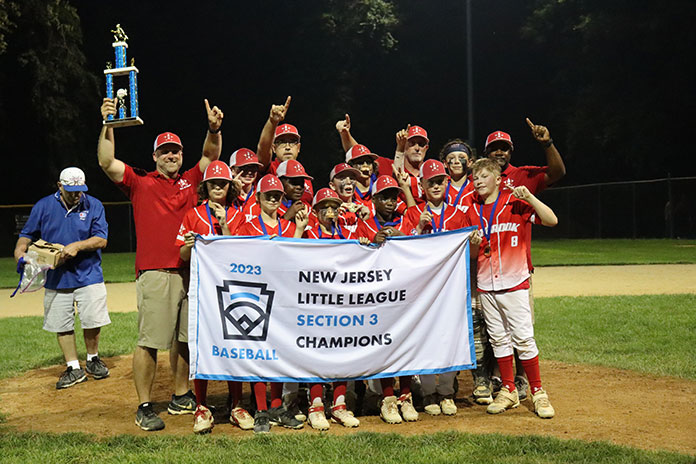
(262, 422)
(483, 393)
(241, 418)
(184, 404)
(521, 385)
(389, 411)
(202, 420)
(291, 403)
(147, 419)
(408, 412)
(71, 377)
(341, 415)
(97, 369)
(504, 400)
(281, 416)
(542, 405)
(317, 418)
(448, 407)
(431, 405)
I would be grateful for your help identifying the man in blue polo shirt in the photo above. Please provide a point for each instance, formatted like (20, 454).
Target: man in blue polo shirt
(75, 219)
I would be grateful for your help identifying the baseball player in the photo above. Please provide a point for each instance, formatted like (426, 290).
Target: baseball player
(503, 280)
(215, 216)
(245, 163)
(75, 219)
(499, 147)
(269, 196)
(343, 180)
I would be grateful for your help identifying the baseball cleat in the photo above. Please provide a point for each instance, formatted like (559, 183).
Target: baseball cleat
(317, 417)
(389, 411)
(482, 391)
(341, 415)
(521, 385)
(504, 400)
(202, 420)
(241, 418)
(542, 405)
(281, 416)
(261, 422)
(448, 407)
(408, 412)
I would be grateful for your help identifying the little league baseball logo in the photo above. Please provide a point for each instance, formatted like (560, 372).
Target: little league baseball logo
(245, 309)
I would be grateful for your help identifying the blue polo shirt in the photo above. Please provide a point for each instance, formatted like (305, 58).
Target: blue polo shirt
(51, 221)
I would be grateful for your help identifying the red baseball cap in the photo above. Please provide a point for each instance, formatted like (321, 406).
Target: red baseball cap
(384, 182)
(270, 183)
(418, 131)
(292, 168)
(358, 151)
(497, 136)
(167, 137)
(244, 157)
(341, 168)
(325, 194)
(284, 129)
(217, 170)
(432, 168)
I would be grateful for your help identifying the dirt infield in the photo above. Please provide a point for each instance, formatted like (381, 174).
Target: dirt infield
(592, 403)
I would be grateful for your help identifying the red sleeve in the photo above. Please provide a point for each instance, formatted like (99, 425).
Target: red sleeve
(129, 182)
(533, 177)
(411, 219)
(186, 227)
(364, 230)
(194, 175)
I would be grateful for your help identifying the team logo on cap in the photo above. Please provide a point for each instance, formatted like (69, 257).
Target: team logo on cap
(217, 170)
(245, 309)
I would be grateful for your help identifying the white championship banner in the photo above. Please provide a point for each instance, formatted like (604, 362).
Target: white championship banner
(300, 310)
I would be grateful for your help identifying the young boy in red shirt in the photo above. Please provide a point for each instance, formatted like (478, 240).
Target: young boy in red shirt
(269, 196)
(215, 216)
(503, 279)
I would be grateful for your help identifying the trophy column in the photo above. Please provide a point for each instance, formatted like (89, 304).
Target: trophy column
(126, 116)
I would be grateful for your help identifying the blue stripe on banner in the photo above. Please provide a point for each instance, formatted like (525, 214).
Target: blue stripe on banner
(245, 295)
(381, 375)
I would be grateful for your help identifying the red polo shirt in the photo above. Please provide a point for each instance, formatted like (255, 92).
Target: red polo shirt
(159, 206)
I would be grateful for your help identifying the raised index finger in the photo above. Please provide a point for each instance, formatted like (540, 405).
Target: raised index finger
(207, 105)
(530, 123)
(287, 102)
(347, 119)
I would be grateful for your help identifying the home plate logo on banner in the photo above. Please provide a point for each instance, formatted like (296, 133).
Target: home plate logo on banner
(245, 309)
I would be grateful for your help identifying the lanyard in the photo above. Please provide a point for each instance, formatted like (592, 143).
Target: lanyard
(334, 230)
(263, 226)
(369, 191)
(386, 224)
(490, 219)
(210, 218)
(442, 217)
(459, 194)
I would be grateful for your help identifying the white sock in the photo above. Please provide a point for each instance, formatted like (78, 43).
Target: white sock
(91, 356)
(75, 364)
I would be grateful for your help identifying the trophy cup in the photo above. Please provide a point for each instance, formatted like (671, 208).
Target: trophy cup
(124, 117)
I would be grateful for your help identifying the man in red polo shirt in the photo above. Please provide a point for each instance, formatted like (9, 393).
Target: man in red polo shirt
(160, 200)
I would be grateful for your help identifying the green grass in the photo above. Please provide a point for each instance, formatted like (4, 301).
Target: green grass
(647, 333)
(444, 447)
(612, 251)
(25, 345)
(119, 267)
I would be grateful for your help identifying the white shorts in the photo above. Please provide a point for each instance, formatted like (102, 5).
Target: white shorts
(59, 308)
(509, 323)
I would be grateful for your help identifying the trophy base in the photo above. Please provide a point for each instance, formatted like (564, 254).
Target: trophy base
(125, 122)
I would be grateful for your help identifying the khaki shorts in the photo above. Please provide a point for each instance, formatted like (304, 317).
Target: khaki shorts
(59, 308)
(162, 309)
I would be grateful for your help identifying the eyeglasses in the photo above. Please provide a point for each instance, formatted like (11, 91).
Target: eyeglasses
(292, 143)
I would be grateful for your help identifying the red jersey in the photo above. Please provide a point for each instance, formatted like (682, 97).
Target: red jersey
(257, 227)
(444, 219)
(198, 220)
(460, 197)
(337, 232)
(532, 177)
(505, 267)
(159, 206)
(307, 195)
(370, 227)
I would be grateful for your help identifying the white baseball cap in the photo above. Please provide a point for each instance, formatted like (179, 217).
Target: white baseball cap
(73, 180)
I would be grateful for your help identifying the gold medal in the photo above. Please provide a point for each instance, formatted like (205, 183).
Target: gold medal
(487, 251)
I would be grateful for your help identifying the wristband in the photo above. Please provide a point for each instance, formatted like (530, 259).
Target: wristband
(548, 144)
(214, 131)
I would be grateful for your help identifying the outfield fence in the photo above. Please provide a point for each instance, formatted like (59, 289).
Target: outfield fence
(657, 208)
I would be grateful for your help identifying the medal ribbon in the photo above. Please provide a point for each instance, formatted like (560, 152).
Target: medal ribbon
(263, 226)
(369, 191)
(442, 217)
(334, 230)
(386, 224)
(210, 217)
(459, 194)
(487, 234)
